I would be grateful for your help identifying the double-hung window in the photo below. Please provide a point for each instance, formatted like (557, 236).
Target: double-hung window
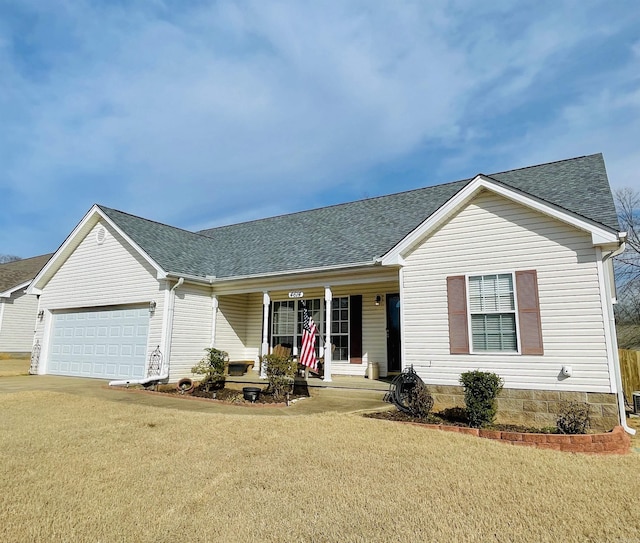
(495, 313)
(492, 308)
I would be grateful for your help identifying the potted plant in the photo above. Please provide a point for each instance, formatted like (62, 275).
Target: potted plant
(212, 366)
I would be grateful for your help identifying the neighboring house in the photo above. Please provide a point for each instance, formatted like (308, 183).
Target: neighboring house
(508, 273)
(18, 310)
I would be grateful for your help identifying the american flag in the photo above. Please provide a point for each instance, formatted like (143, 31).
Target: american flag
(308, 351)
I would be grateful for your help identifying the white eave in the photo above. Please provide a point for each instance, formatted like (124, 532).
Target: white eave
(93, 216)
(600, 235)
(9, 292)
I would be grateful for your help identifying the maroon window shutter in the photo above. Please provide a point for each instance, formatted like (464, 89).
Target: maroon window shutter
(355, 329)
(529, 312)
(457, 303)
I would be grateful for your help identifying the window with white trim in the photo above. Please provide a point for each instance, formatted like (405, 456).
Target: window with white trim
(286, 325)
(492, 310)
(340, 327)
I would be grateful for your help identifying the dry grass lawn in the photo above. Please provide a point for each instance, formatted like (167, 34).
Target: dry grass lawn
(78, 469)
(14, 366)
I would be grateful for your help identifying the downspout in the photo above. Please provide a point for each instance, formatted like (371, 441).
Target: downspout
(164, 374)
(616, 359)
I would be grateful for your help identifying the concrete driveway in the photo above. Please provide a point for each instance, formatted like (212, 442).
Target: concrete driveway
(341, 399)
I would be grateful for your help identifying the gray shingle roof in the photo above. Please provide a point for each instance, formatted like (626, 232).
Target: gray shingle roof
(355, 232)
(13, 274)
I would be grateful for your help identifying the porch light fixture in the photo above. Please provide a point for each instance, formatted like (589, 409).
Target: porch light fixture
(41, 314)
(152, 306)
(378, 299)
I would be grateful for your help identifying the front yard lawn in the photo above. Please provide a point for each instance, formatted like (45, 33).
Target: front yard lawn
(81, 469)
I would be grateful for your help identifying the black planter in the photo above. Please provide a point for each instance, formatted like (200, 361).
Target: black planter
(251, 394)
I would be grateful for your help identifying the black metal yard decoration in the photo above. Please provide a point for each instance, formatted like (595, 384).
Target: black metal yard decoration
(401, 388)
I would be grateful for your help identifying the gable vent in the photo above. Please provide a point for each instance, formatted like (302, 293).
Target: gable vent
(101, 235)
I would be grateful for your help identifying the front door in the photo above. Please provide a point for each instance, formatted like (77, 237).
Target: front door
(393, 333)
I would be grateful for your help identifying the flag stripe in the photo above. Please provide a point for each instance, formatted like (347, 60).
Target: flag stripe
(308, 350)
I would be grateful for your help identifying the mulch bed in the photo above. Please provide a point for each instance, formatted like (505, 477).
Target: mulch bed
(235, 396)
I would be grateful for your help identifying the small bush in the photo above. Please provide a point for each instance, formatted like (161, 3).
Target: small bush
(419, 400)
(480, 391)
(281, 372)
(573, 418)
(212, 366)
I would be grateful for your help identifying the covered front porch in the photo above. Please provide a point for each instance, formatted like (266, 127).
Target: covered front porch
(357, 321)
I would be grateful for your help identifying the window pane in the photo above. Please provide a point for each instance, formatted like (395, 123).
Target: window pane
(494, 332)
(491, 293)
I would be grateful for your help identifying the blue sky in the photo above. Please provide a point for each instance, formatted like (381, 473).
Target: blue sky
(198, 113)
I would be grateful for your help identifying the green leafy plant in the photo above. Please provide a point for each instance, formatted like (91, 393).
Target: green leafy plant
(573, 418)
(281, 372)
(481, 389)
(419, 400)
(212, 366)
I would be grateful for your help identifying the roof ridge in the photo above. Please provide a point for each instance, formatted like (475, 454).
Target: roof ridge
(544, 164)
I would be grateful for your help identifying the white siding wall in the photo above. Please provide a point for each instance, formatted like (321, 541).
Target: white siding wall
(492, 235)
(102, 275)
(231, 325)
(17, 321)
(191, 329)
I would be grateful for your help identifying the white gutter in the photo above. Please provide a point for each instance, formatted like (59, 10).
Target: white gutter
(164, 374)
(616, 359)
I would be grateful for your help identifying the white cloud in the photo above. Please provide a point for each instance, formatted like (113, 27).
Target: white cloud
(211, 112)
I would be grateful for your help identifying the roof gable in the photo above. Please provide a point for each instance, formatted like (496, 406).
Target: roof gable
(19, 273)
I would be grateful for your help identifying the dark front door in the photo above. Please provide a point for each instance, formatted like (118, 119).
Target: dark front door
(393, 332)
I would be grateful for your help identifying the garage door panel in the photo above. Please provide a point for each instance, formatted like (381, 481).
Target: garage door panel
(104, 344)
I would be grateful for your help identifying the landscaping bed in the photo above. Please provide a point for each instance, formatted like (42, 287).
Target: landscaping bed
(615, 442)
(235, 396)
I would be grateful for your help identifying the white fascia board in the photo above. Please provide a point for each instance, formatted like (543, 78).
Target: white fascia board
(8, 293)
(600, 235)
(88, 221)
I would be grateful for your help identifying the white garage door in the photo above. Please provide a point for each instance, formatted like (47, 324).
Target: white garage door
(105, 343)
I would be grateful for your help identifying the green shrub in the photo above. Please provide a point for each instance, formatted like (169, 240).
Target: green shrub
(212, 366)
(480, 391)
(573, 418)
(419, 400)
(281, 372)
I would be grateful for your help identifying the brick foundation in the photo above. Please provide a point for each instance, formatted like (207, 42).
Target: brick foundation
(535, 407)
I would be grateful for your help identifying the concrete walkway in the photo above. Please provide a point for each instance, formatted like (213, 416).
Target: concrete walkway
(343, 395)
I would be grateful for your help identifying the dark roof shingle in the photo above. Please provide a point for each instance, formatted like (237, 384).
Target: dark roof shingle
(355, 232)
(13, 274)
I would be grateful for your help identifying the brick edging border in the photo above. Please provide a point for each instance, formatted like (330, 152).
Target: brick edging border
(615, 442)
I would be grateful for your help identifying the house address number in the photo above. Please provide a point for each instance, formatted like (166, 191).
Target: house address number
(296, 294)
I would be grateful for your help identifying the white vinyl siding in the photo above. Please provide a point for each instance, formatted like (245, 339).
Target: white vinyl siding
(192, 318)
(98, 276)
(239, 326)
(17, 322)
(492, 234)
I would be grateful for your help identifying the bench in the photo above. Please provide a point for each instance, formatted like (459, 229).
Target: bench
(236, 368)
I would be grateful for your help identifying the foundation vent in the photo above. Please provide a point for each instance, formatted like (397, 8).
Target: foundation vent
(636, 403)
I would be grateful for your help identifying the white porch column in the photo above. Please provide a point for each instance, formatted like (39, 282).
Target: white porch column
(266, 300)
(327, 334)
(214, 318)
